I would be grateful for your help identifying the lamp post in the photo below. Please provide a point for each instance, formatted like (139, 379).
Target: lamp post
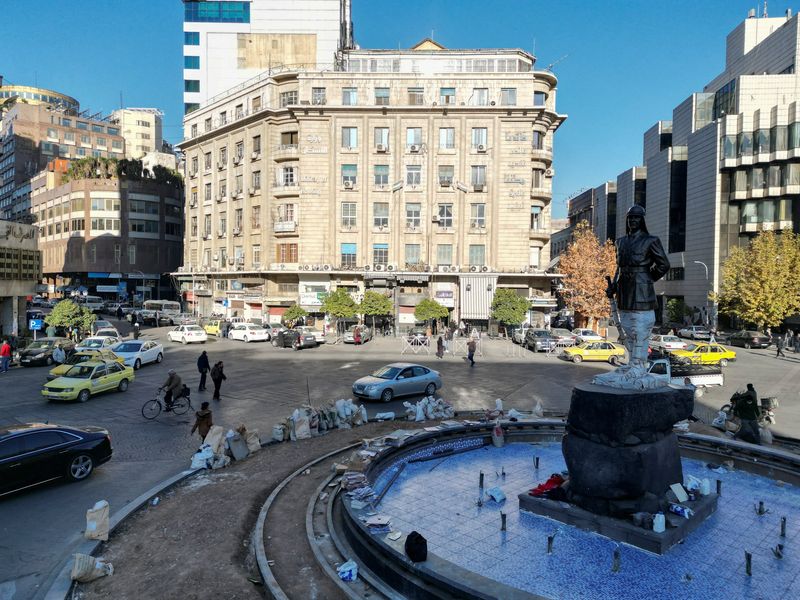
(710, 322)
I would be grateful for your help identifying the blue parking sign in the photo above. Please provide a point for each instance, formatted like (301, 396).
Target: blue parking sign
(36, 324)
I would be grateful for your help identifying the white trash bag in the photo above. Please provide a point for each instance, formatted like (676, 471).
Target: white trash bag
(203, 457)
(97, 522)
(348, 571)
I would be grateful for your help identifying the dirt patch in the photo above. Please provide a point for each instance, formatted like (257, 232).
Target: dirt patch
(196, 543)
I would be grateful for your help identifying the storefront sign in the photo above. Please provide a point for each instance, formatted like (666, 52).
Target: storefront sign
(311, 298)
(445, 298)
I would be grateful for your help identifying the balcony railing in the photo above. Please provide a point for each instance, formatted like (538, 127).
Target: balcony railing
(284, 226)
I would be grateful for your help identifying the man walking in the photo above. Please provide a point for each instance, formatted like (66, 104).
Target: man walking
(5, 356)
(779, 344)
(204, 367)
(747, 409)
(120, 314)
(471, 346)
(797, 342)
(217, 376)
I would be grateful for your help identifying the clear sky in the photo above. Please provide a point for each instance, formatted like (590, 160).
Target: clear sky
(622, 64)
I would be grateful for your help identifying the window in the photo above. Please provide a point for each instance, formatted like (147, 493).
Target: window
(412, 254)
(238, 218)
(508, 96)
(447, 95)
(745, 143)
(447, 138)
(255, 103)
(380, 254)
(478, 176)
(286, 253)
(256, 256)
(239, 111)
(116, 145)
(480, 97)
(142, 207)
(239, 182)
(131, 254)
(349, 96)
(86, 139)
(778, 136)
(207, 124)
(286, 213)
(382, 96)
(413, 136)
(207, 196)
(216, 12)
(477, 216)
(191, 85)
(536, 218)
(239, 153)
(288, 176)
(52, 134)
(142, 226)
(413, 212)
(539, 98)
(348, 253)
(288, 98)
(191, 38)
(192, 131)
(537, 140)
(98, 128)
(289, 139)
(223, 189)
(207, 161)
(348, 214)
(380, 214)
(445, 215)
(207, 225)
(416, 95)
(794, 136)
(191, 62)
(444, 254)
(349, 174)
(194, 227)
(257, 144)
(223, 156)
(82, 125)
(318, 95)
(223, 223)
(173, 229)
(479, 136)
(255, 217)
(69, 136)
(446, 175)
(256, 180)
(111, 204)
(382, 136)
(414, 175)
(381, 175)
(349, 138)
(537, 178)
(477, 255)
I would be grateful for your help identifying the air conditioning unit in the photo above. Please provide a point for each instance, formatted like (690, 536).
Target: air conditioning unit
(240, 260)
(445, 182)
(216, 257)
(318, 101)
(221, 234)
(390, 267)
(455, 269)
(326, 267)
(473, 225)
(549, 172)
(237, 160)
(492, 103)
(443, 268)
(230, 260)
(380, 148)
(435, 218)
(478, 187)
(206, 236)
(481, 148)
(240, 194)
(251, 191)
(485, 269)
(193, 204)
(306, 267)
(413, 148)
(348, 185)
(255, 155)
(474, 269)
(380, 267)
(219, 199)
(220, 165)
(237, 231)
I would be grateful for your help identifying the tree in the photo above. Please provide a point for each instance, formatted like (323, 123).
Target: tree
(294, 313)
(430, 310)
(676, 310)
(376, 304)
(508, 307)
(760, 282)
(585, 265)
(339, 304)
(69, 314)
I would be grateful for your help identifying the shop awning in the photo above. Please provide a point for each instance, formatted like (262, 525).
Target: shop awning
(477, 293)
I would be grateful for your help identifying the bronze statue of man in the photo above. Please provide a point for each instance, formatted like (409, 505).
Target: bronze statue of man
(641, 261)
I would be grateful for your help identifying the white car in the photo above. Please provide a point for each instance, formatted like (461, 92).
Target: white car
(349, 335)
(586, 335)
(96, 343)
(318, 335)
(667, 342)
(695, 332)
(248, 332)
(108, 332)
(136, 353)
(518, 337)
(186, 334)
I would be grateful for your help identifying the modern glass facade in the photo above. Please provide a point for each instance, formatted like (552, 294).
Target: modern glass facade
(216, 12)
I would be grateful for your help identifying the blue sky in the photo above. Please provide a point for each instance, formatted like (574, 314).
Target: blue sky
(622, 66)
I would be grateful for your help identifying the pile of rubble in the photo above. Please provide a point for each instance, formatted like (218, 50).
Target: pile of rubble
(219, 447)
(429, 408)
(309, 421)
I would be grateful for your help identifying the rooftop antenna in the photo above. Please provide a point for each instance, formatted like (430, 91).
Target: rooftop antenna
(553, 64)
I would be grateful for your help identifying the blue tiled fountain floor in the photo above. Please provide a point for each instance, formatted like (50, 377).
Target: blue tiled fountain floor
(438, 499)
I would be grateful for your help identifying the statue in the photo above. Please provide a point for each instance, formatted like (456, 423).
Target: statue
(641, 261)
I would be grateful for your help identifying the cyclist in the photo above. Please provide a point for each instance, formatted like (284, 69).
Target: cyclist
(173, 386)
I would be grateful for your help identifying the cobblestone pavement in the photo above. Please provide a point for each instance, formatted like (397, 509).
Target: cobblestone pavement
(264, 385)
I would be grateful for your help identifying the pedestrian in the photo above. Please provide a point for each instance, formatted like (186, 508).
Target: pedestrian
(136, 331)
(5, 356)
(440, 347)
(120, 314)
(217, 376)
(448, 337)
(747, 410)
(471, 345)
(780, 344)
(204, 367)
(50, 331)
(203, 423)
(59, 356)
(357, 335)
(225, 328)
(134, 319)
(797, 342)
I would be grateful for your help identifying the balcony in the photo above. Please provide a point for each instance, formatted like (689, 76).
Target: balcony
(544, 193)
(539, 233)
(281, 190)
(543, 154)
(285, 152)
(284, 226)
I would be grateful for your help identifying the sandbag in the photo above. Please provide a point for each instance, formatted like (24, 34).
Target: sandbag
(302, 429)
(278, 432)
(253, 441)
(97, 522)
(215, 438)
(88, 568)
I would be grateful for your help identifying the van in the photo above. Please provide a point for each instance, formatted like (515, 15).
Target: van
(93, 303)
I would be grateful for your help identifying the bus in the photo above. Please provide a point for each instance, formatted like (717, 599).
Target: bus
(166, 307)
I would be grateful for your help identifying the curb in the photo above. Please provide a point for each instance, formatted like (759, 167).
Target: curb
(62, 586)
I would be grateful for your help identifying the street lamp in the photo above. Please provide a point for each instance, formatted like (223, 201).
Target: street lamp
(710, 321)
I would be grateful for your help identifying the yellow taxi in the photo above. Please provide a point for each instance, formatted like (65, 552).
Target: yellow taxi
(705, 354)
(82, 356)
(213, 327)
(89, 378)
(605, 351)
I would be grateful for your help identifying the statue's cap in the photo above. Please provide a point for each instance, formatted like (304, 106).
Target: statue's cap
(636, 211)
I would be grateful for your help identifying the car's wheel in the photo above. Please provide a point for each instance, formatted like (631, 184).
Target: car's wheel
(137, 365)
(48, 361)
(274, 343)
(84, 395)
(80, 467)
(387, 395)
(430, 390)
(525, 345)
(614, 360)
(723, 362)
(171, 324)
(577, 358)
(183, 341)
(123, 385)
(245, 339)
(160, 357)
(747, 345)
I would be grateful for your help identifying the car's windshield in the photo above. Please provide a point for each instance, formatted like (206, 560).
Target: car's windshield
(669, 338)
(106, 333)
(194, 328)
(692, 347)
(92, 344)
(561, 332)
(386, 372)
(77, 359)
(80, 372)
(753, 333)
(41, 344)
(128, 347)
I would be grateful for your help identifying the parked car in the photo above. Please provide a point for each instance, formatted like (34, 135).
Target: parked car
(562, 336)
(586, 335)
(289, 338)
(135, 353)
(274, 329)
(101, 324)
(704, 354)
(518, 335)
(349, 335)
(107, 332)
(40, 352)
(416, 337)
(667, 342)
(538, 340)
(89, 378)
(186, 334)
(695, 332)
(82, 356)
(183, 319)
(97, 342)
(603, 351)
(35, 453)
(248, 332)
(749, 339)
(318, 334)
(398, 379)
(213, 327)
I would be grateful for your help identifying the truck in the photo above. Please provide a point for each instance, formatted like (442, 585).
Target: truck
(700, 376)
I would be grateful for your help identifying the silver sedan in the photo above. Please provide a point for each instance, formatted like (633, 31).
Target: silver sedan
(398, 379)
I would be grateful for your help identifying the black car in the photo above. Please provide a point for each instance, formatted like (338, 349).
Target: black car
(40, 352)
(749, 339)
(36, 453)
(290, 338)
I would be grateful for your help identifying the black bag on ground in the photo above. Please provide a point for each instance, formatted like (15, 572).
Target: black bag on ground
(416, 547)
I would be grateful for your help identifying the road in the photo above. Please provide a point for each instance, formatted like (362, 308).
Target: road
(264, 386)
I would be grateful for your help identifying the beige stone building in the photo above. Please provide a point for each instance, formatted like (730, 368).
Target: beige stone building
(142, 129)
(421, 173)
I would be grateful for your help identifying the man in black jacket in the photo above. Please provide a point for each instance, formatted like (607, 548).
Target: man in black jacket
(747, 409)
(204, 367)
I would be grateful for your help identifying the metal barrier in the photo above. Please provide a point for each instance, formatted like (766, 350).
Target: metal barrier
(416, 346)
(556, 348)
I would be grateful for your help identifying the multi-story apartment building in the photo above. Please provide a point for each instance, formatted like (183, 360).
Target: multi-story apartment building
(115, 237)
(20, 272)
(44, 126)
(725, 167)
(141, 128)
(424, 172)
(229, 42)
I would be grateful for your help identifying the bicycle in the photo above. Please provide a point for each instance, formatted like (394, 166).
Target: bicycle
(180, 405)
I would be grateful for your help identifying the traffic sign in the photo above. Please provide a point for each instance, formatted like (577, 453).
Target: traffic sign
(36, 324)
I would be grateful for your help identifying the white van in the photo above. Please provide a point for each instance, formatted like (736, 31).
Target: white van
(93, 303)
